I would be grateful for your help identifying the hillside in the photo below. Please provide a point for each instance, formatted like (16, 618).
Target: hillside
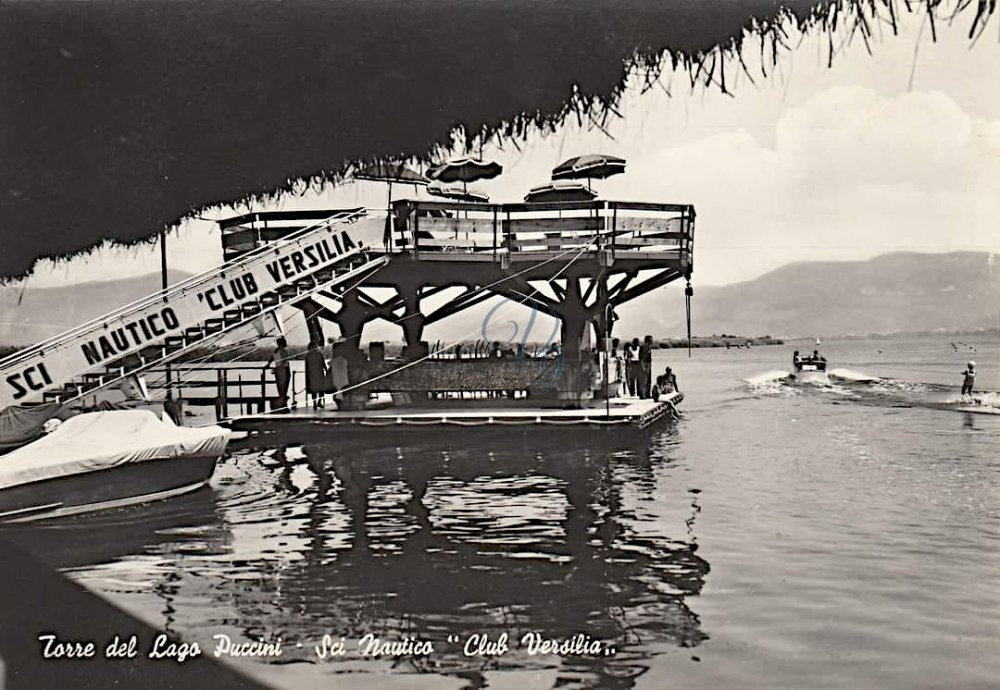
(890, 293)
(896, 292)
(33, 314)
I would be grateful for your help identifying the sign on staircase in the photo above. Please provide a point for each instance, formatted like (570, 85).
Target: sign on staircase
(25, 375)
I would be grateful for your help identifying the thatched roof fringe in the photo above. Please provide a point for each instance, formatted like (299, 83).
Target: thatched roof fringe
(135, 161)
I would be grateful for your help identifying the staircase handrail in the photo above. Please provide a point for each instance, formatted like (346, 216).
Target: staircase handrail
(56, 341)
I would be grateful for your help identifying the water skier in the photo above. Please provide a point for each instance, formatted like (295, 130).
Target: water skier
(969, 380)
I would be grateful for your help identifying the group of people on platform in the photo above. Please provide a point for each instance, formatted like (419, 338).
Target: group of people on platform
(633, 368)
(322, 377)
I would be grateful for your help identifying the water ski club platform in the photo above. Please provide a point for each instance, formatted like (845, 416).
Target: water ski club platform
(620, 413)
(575, 261)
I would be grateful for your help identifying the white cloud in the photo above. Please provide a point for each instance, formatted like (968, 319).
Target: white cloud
(852, 137)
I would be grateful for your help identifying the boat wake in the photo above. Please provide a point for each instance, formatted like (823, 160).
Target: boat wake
(781, 382)
(851, 376)
(769, 383)
(874, 390)
(985, 402)
(767, 377)
(900, 393)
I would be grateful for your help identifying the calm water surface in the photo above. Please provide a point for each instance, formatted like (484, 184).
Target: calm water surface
(776, 536)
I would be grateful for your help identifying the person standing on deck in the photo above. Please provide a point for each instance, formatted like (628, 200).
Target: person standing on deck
(617, 370)
(282, 372)
(339, 370)
(172, 408)
(317, 377)
(633, 366)
(646, 367)
(627, 379)
(969, 380)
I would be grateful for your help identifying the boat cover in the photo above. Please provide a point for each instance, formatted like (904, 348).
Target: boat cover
(22, 424)
(101, 440)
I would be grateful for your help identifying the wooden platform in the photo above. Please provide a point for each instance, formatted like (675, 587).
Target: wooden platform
(623, 413)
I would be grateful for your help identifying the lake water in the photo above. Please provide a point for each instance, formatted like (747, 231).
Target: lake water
(775, 536)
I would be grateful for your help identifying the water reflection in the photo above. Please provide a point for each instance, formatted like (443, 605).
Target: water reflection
(83, 541)
(435, 539)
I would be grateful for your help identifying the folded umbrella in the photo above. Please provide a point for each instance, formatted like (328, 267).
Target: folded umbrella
(560, 192)
(457, 193)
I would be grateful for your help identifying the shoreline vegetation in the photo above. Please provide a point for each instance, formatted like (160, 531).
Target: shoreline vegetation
(724, 340)
(226, 353)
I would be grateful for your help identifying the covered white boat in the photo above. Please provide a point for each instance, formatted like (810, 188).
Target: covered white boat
(106, 459)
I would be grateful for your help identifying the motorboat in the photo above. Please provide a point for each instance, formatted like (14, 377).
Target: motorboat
(810, 370)
(106, 459)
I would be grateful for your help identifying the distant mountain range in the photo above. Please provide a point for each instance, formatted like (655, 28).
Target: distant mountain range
(33, 314)
(898, 292)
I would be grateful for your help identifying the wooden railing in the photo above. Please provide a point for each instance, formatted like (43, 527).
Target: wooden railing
(242, 234)
(549, 227)
(493, 230)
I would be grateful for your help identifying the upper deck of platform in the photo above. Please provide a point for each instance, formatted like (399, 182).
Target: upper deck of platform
(443, 231)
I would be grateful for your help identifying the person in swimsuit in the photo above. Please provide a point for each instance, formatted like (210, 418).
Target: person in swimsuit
(969, 380)
(633, 366)
(646, 367)
(669, 381)
(659, 388)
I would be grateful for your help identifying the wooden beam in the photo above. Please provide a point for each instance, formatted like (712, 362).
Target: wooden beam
(621, 285)
(659, 280)
(524, 288)
(460, 303)
(526, 297)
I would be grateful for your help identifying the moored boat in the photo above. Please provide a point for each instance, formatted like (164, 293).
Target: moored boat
(108, 459)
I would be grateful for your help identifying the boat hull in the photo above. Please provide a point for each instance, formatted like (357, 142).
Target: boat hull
(113, 487)
(813, 377)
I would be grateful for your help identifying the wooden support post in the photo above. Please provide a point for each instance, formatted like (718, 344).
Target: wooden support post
(494, 233)
(574, 382)
(413, 320)
(262, 405)
(220, 394)
(416, 234)
(351, 318)
(614, 230)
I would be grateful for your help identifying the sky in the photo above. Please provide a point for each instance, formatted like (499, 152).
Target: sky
(897, 150)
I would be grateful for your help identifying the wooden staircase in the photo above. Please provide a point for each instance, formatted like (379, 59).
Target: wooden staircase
(107, 350)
